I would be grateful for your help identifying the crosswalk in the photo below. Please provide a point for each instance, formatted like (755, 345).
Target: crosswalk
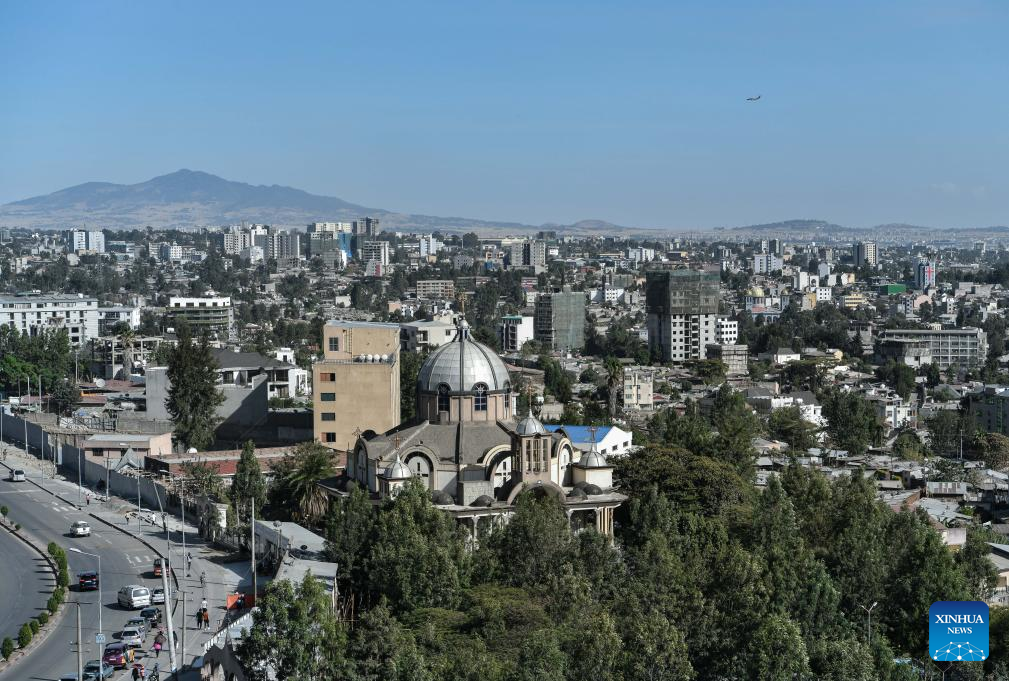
(140, 559)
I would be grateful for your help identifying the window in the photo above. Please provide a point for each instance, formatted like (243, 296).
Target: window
(328, 397)
(328, 377)
(328, 416)
(334, 344)
(330, 437)
(480, 397)
(443, 399)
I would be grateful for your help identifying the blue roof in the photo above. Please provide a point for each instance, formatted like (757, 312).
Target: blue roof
(582, 433)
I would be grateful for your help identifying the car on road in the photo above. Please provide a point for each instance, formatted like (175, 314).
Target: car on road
(80, 529)
(153, 617)
(158, 595)
(87, 581)
(134, 596)
(131, 636)
(118, 655)
(140, 623)
(16, 475)
(97, 670)
(158, 566)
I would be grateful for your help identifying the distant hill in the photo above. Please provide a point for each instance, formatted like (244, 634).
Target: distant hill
(188, 197)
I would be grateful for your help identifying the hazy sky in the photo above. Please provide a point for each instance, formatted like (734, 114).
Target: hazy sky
(539, 111)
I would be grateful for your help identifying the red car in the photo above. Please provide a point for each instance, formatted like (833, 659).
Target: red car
(118, 655)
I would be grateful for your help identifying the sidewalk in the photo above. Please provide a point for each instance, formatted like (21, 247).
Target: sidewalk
(224, 574)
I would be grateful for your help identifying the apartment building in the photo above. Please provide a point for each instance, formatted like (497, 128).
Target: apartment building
(682, 307)
(33, 314)
(211, 314)
(966, 347)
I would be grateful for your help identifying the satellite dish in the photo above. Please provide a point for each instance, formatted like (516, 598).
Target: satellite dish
(99, 382)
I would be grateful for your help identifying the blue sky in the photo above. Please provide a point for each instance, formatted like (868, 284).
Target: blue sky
(632, 112)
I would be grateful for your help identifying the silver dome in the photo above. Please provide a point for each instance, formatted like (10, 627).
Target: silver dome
(397, 470)
(461, 365)
(593, 460)
(530, 425)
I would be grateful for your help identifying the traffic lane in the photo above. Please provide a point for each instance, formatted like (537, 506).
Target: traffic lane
(124, 561)
(25, 584)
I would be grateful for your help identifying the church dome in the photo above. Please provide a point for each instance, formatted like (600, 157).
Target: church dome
(593, 460)
(530, 425)
(462, 365)
(397, 470)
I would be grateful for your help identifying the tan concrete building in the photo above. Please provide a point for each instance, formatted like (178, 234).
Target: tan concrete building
(355, 387)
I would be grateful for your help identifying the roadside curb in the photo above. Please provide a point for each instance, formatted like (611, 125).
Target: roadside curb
(54, 619)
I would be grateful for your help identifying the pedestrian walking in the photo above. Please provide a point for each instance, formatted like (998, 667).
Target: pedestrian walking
(199, 619)
(204, 604)
(206, 618)
(159, 642)
(88, 499)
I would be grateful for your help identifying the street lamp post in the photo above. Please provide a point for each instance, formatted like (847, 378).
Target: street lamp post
(868, 622)
(80, 654)
(100, 601)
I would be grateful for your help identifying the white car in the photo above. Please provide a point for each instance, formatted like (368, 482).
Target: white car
(80, 529)
(16, 475)
(130, 636)
(158, 595)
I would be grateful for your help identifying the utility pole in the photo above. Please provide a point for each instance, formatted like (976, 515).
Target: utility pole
(165, 569)
(80, 652)
(252, 538)
(25, 415)
(185, 597)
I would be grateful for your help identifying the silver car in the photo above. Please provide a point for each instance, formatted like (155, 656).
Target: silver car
(130, 636)
(140, 624)
(158, 595)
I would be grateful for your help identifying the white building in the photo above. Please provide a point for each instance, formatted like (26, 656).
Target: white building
(426, 334)
(375, 251)
(108, 317)
(765, 263)
(32, 314)
(638, 390)
(87, 241)
(864, 253)
(514, 332)
(824, 294)
(726, 331)
(641, 254)
(610, 440)
(429, 246)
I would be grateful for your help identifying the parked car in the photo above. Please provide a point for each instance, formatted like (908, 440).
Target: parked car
(140, 623)
(16, 475)
(134, 596)
(158, 595)
(118, 655)
(153, 617)
(98, 670)
(87, 581)
(80, 529)
(131, 636)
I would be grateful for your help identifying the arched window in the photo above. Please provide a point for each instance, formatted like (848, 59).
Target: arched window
(502, 471)
(480, 397)
(443, 401)
(420, 467)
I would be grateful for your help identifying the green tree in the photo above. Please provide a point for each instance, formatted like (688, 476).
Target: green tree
(992, 448)
(295, 492)
(655, 651)
(540, 659)
(535, 543)
(203, 478)
(248, 485)
(977, 570)
(852, 423)
(908, 446)
(788, 426)
(193, 396)
(295, 634)
(349, 527)
(736, 426)
(614, 383)
(777, 651)
(409, 368)
(418, 558)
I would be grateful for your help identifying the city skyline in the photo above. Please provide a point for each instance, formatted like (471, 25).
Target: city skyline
(532, 113)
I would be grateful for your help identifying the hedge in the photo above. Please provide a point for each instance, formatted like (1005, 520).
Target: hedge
(34, 624)
(24, 636)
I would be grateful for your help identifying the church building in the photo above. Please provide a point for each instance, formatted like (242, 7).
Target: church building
(475, 454)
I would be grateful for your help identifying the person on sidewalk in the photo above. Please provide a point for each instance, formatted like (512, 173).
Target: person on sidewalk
(199, 620)
(159, 642)
(206, 618)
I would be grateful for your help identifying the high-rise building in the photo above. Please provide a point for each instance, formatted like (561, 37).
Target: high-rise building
(529, 253)
(284, 246)
(331, 227)
(682, 307)
(377, 251)
(32, 314)
(334, 248)
(514, 332)
(213, 314)
(429, 246)
(865, 253)
(924, 274)
(436, 289)
(355, 386)
(86, 241)
(560, 320)
(366, 227)
(966, 347)
(765, 263)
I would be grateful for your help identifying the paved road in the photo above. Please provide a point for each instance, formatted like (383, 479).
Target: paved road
(124, 561)
(27, 580)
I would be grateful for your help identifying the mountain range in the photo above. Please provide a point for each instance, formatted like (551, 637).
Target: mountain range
(187, 198)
